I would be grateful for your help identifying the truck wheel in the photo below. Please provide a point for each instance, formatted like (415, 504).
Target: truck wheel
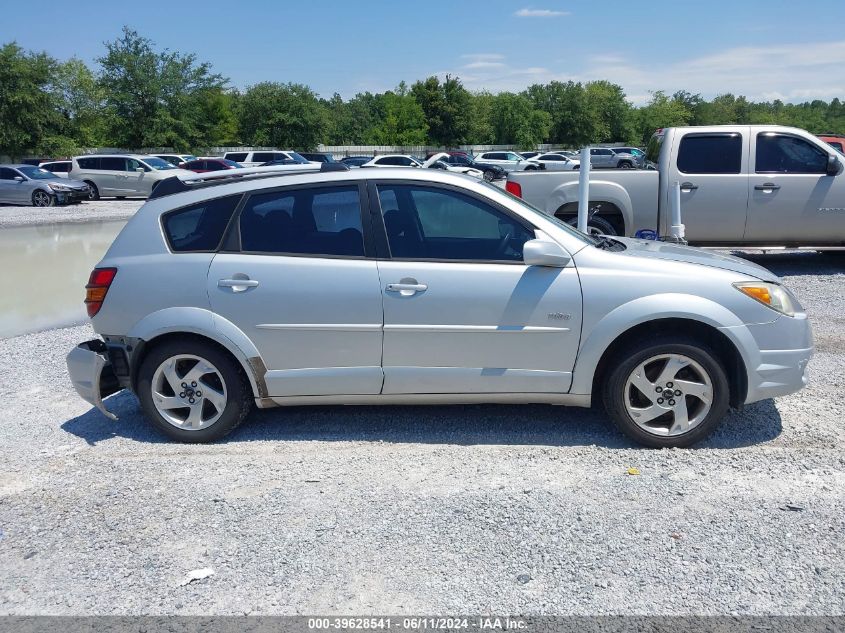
(595, 226)
(192, 391)
(667, 393)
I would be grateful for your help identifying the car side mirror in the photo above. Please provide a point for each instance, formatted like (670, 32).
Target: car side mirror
(139, 169)
(544, 253)
(832, 165)
(19, 178)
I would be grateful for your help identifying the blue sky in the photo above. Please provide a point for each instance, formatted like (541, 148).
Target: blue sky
(793, 50)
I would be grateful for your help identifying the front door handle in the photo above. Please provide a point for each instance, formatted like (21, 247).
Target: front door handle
(767, 186)
(688, 186)
(237, 285)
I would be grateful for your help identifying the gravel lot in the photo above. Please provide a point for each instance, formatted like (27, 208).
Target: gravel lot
(430, 510)
(109, 209)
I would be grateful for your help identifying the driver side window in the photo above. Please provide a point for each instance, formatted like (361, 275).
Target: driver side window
(440, 224)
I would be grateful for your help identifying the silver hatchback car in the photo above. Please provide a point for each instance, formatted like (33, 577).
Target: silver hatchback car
(424, 287)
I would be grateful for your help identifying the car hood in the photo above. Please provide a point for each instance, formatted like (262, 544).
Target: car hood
(67, 182)
(692, 255)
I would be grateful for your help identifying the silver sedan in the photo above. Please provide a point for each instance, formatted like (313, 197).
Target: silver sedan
(30, 185)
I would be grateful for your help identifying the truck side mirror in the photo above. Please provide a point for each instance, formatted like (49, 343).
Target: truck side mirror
(832, 165)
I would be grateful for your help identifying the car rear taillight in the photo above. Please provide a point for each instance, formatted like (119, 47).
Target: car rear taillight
(514, 188)
(98, 286)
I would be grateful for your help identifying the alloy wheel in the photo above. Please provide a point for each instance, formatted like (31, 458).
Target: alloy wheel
(41, 199)
(668, 394)
(189, 392)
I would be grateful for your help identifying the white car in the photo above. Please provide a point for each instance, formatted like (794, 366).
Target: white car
(258, 158)
(59, 167)
(556, 162)
(393, 160)
(177, 160)
(120, 175)
(509, 161)
(438, 161)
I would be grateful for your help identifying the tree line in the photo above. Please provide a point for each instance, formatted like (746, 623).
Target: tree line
(140, 97)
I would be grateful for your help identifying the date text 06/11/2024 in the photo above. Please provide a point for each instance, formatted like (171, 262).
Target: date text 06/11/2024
(483, 623)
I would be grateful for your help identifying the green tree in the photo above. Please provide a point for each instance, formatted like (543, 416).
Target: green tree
(27, 112)
(517, 122)
(149, 95)
(446, 108)
(402, 120)
(79, 100)
(661, 111)
(282, 115)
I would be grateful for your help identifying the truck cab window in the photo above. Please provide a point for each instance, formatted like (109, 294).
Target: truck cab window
(784, 154)
(710, 154)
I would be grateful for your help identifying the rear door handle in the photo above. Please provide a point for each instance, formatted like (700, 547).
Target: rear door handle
(406, 289)
(688, 186)
(237, 285)
(767, 186)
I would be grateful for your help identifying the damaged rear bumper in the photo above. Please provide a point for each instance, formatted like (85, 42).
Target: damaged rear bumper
(92, 374)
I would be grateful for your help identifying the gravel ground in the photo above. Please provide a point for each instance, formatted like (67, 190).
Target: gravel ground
(519, 509)
(96, 211)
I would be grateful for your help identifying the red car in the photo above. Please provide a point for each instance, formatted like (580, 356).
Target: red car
(836, 141)
(202, 165)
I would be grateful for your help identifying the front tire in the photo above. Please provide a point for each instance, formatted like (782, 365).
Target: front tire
(671, 392)
(625, 165)
(489, 175)
(42, 199)
(192, 391)
(93, 192)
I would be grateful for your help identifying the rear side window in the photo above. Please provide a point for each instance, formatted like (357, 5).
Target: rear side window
(113, 163)
(710, 154)
(310, 221)
(88, 163)
(262, 157)
(235, 156)
(199, 227)
(783, 154)
(57, 168)
(837, 146)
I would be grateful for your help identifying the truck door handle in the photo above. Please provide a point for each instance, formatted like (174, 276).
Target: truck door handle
(237, 285)
(688, 186)
(767, 186)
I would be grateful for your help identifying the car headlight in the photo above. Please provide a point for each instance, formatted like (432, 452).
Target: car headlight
(56, 187)
(771, 295)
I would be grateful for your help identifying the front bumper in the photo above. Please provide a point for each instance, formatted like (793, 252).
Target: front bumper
(67, 197)
(92, 374)
(776, 357)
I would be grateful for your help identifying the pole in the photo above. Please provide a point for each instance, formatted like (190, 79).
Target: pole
(677, 231)
(584, 190)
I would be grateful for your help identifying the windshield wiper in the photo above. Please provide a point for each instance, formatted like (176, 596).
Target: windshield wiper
(607, 243)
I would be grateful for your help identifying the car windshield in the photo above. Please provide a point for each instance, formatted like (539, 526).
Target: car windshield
(157, 163)
(187, 157)
(535, 211)
(36, 173)
(230, 163)
(298, 158)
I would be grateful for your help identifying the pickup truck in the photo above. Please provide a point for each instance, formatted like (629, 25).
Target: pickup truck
(740, 185)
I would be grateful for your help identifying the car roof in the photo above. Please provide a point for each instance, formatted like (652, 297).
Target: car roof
(17, 165)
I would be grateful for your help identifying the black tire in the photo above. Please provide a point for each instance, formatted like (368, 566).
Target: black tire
(93, 192)
(120, 197)
(597, 223)
(42, 199)
(489, 175)
(531, 168)
(239, 392)
(626, 165)
(630, 358)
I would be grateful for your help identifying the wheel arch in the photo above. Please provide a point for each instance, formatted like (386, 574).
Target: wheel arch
(710, 323)
(619, 210)
(197, 323)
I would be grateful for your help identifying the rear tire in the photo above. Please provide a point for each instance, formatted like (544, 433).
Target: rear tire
(626, 165)
(181, 410)
(635, 392)
(93, 192)
(595, 225)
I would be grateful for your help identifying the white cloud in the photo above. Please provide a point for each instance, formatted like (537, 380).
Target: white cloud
(539, 13)
(790, 72)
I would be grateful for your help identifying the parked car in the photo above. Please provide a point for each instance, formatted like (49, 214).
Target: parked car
(431, 288)
(556, 162)
(438, 161)
(636, 152)
(204, 165)
(607, 158)
(257, 158)
(318, 157)
(529, 155)
(836, 141)
(509, 161)
(120, 175)
(26, 184)
(59, 167)
(176, 160)
(393, 160)
(355, 161)
(740, 185)
(490, 172)
(298, 160)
